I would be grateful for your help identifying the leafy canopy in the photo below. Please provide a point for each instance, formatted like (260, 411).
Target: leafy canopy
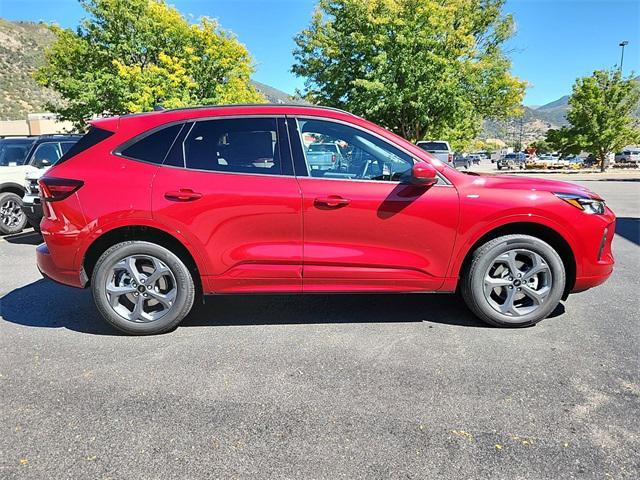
(130, 55)
(422, 68)
(600, 115)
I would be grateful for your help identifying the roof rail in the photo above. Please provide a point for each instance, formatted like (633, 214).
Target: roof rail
(235, 105)
(18, 136)
(40, 135)
(57, 135)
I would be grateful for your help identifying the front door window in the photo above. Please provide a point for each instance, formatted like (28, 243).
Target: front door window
(335, 150)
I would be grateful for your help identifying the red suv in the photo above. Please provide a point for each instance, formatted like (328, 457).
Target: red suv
(152, 210)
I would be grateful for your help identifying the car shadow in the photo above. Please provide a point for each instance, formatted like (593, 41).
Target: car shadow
(25, 238)
(46, 304)
(629, 228)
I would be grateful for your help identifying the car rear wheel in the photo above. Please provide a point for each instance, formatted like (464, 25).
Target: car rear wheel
(12, 218)
(142, 288)
(514, 281)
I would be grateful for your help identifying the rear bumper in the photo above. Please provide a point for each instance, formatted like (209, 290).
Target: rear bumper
(49, 269)
(33, 211)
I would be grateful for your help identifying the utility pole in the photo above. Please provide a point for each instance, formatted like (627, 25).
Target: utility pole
(622, 44)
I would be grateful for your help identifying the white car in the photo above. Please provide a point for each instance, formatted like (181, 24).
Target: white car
(20, 156)
(628, 156)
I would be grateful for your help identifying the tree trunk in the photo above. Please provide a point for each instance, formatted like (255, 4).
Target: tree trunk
(603, 160)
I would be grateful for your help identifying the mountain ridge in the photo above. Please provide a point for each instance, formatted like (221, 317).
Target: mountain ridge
(22, 46)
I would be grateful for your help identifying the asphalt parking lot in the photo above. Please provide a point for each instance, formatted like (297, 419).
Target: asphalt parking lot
(358, 386)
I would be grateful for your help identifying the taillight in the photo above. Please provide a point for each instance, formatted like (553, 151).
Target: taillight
(56, 189)
(450, 158)
(333, 158)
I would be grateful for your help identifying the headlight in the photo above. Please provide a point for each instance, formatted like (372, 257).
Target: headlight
(584, 203)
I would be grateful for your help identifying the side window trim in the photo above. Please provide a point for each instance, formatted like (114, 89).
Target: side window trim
(295, 143)
(284, 146)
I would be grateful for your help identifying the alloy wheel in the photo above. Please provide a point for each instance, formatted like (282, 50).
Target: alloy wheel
(517, 283)
(141, 288)
(11, 214)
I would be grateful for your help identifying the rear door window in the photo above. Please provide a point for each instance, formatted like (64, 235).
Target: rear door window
(241, 145)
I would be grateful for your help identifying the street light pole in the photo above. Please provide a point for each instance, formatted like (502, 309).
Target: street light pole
(622, 44)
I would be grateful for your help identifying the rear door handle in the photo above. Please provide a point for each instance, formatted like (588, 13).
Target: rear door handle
(332, 201)
(182, 195)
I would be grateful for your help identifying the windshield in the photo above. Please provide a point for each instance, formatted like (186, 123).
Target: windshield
(14, 152)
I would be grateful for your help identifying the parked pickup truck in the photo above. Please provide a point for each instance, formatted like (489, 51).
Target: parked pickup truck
(439, 149)
(20, 156)
(325, 156)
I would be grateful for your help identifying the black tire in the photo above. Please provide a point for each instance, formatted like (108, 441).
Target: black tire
(499, 167)
(184, 285)
(14, 223)
(34, 225)
(472, 281)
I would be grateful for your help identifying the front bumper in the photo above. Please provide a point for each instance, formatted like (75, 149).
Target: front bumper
(598, 264)
(49, 269)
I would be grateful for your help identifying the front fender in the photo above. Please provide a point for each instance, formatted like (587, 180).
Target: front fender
(12, 187)
(468, 239)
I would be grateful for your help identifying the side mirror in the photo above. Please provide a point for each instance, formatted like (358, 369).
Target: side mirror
(424, 174)
(44, 162)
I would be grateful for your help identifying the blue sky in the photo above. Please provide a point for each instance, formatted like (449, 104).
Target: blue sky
(556, 41)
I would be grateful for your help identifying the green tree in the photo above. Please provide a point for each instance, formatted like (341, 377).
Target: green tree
(541, 146)
(600, 109)
(563, 141)
(600, 114)
(422, 68)
(130, 55)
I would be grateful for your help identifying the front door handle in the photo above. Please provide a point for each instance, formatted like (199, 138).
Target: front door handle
(332, 201)
(182, 195)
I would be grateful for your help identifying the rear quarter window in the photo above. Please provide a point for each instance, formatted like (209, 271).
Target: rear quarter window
(152, 146)
(94, 136)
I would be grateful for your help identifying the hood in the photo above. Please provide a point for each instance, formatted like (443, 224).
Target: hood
(16, 173)
(36, 173)
(517, 182)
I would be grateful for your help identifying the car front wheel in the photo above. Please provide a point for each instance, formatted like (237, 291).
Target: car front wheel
(12, 218)
(142, 288)
(513, 281)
